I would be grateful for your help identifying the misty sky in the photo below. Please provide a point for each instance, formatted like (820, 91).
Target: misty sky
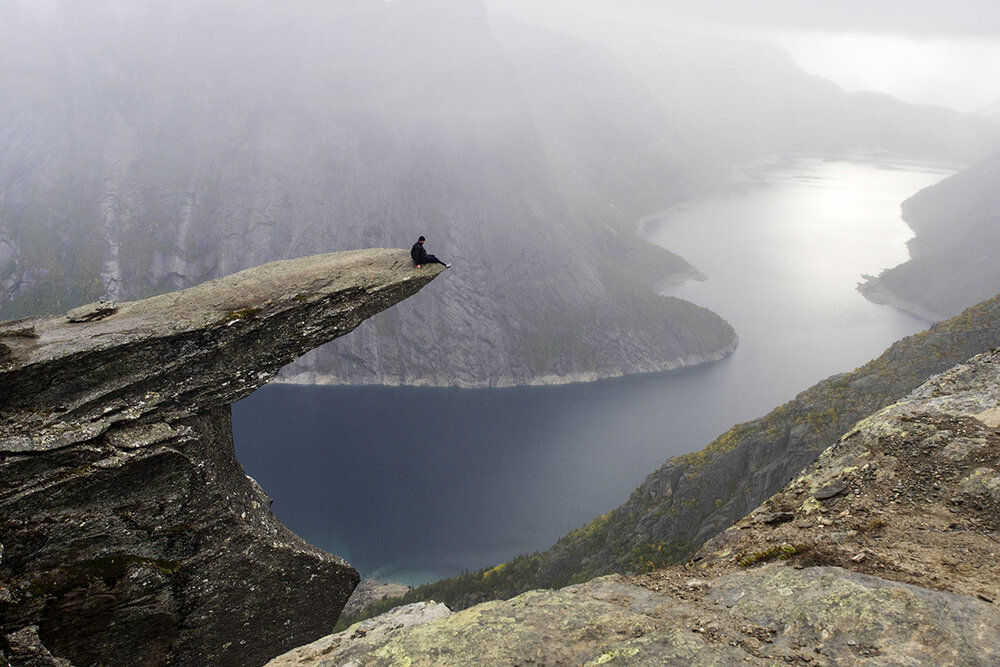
(922, 51)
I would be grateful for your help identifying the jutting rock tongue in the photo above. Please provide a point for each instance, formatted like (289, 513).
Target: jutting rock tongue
(131, 534)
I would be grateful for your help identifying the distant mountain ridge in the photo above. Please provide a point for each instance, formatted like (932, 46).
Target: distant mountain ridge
(991, 111)
(154, 150)
(739, 100)
(145, 149)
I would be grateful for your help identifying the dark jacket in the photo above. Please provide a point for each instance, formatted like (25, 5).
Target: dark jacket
(418, 253)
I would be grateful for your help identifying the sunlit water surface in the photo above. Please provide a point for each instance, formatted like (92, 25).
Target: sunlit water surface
(414, 484)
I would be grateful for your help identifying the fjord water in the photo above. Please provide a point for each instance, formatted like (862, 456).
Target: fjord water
(413, 484)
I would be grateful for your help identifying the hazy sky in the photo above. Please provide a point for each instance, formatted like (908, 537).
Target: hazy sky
(926, 51)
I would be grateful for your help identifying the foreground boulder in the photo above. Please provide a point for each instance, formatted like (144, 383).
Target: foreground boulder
(130, 533)
(767, 616)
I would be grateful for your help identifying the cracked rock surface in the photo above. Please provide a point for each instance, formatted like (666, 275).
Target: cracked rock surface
(130, 533)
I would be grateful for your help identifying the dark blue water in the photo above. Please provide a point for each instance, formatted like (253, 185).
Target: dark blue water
(414, 484)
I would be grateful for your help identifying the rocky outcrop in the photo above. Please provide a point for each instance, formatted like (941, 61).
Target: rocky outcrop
(772, 615)
(371, 630)
(911, 493)
(884, 551)
(130, 533)
(370, 591)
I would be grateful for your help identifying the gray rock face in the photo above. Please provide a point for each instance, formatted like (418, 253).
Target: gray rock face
(918, 502)
(822, 616)
(370, 591)
(363, 634)
(131, 534)
(25, 649)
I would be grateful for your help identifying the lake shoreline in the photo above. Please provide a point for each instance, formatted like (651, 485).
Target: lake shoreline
(873, 289)
(691, 361)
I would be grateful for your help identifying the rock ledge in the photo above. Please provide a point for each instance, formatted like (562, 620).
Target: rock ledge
(130, 533)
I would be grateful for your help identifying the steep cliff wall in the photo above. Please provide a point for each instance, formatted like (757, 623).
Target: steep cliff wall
(148, 148)
(130, 534)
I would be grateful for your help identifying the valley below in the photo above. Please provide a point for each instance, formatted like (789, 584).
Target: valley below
(494, 473)
(693, 388)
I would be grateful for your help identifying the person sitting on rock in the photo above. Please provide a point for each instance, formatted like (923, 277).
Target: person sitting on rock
(420, 256)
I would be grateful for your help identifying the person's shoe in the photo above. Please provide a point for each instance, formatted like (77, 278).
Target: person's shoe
(447, 266)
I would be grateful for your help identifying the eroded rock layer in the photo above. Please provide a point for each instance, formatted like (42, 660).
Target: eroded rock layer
(130, 533)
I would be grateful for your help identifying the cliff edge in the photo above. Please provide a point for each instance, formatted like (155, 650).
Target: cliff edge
(130, 534)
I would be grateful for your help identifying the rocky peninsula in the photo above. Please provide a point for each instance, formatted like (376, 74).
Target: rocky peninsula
(130, 534)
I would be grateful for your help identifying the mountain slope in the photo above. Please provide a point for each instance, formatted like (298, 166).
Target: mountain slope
(154, 148)
(951, 265)
(693, 497)
(144, 149)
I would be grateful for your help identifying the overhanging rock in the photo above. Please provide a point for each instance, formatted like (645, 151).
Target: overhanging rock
(130, 533)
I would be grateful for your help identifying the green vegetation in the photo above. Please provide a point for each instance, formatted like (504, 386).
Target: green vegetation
(503, 581)
(527, 572)
(649, 556)
(243, 314)
(777, 552)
